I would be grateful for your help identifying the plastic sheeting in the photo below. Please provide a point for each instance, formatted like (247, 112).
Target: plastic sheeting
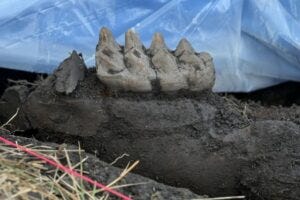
(254, 43)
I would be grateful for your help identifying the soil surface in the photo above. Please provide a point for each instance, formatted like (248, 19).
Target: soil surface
(213, 144)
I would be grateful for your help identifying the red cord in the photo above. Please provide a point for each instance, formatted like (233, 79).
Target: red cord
(65, 169)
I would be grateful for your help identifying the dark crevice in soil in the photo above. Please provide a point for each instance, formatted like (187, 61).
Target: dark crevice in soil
(285, 94)
(6, 74)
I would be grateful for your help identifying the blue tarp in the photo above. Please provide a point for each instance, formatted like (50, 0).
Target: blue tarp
(254, 43)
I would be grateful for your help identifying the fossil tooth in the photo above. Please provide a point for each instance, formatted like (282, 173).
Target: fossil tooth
(184, 47)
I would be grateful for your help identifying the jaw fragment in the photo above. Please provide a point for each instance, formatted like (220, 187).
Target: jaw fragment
(133, 69)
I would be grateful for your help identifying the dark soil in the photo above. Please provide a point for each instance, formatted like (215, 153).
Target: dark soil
(213, 144)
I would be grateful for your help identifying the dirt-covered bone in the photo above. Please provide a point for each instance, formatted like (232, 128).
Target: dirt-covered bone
(133, 69)
(70, 71)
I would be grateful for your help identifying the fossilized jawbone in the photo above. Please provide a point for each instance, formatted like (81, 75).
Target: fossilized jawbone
(137, 69)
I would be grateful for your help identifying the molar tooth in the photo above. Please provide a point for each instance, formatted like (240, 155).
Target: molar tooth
(184, 47)
(158, 43)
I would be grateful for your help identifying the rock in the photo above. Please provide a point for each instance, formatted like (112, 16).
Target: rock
(69, 73)
(10, 102)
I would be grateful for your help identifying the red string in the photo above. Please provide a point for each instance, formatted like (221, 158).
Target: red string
(65, 169)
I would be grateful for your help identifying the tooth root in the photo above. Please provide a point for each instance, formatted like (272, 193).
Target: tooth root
(184, 47)
(158, 43)
(132, 41)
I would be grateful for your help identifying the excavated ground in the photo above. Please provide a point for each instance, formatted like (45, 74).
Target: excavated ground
(213, 144)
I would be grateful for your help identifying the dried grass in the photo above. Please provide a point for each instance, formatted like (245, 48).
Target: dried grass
(25, 177)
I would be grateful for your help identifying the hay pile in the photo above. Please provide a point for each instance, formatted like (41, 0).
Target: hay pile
(25, 177)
